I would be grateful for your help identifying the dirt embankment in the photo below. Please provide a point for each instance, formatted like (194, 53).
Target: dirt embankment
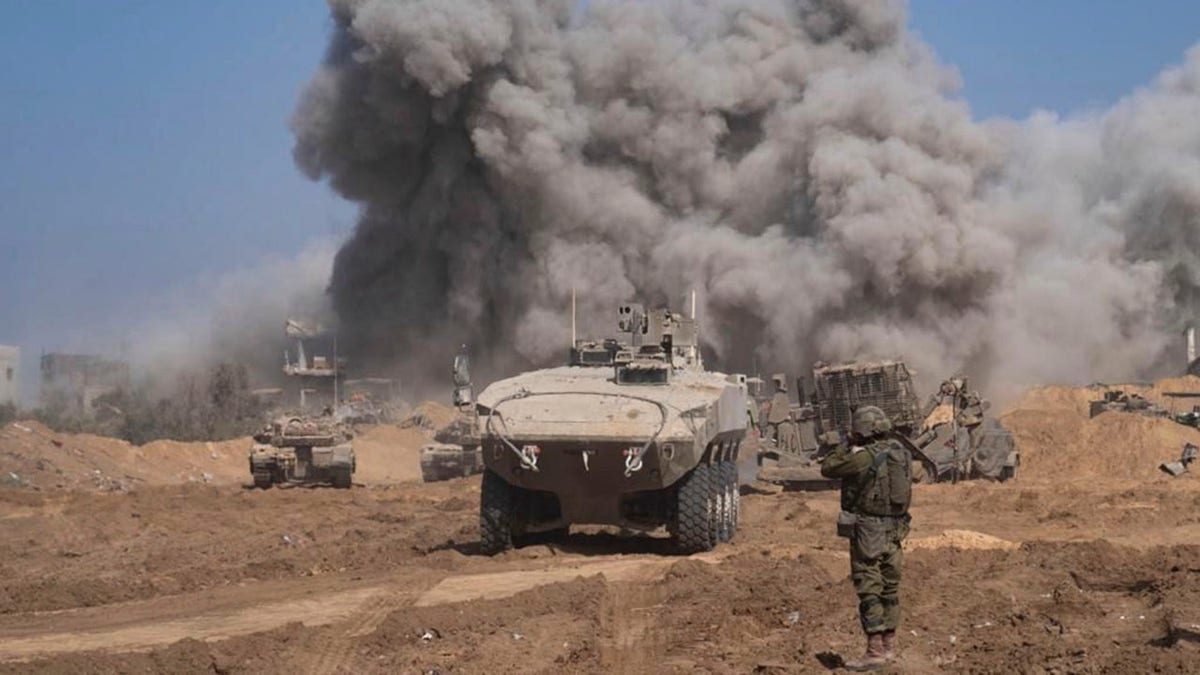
(1059, 442)
(33, 456)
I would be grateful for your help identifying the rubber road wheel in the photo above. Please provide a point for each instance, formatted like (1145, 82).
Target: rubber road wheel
(495, 514)
(735, 499)
(694, 511)
(728, 496)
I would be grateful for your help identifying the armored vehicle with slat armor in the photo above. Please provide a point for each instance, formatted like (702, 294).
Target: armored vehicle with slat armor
(633, 433)
(950, 434)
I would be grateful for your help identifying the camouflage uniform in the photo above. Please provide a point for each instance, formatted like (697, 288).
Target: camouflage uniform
(876, 478)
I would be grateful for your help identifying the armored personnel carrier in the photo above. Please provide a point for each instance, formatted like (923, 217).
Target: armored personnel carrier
(302, 450)
(633, 433)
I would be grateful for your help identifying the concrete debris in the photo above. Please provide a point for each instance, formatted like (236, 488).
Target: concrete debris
(1180, 466)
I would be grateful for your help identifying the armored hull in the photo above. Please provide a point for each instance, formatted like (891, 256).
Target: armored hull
(302, 450)
(574, 445)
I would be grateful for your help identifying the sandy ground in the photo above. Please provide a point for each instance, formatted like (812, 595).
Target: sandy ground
(1088, 562)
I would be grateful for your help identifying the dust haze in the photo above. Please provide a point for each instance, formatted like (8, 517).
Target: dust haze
(806, 166)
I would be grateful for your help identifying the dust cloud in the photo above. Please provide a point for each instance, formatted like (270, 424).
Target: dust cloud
(806, 166)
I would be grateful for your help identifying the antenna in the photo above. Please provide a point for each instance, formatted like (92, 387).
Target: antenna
(693, 304)
(572, 317)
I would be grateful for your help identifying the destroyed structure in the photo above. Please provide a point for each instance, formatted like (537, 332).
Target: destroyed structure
(1192, 363)
(633, 433)
(369, 400)
(312, 366)
(10, 375)
(71, 383)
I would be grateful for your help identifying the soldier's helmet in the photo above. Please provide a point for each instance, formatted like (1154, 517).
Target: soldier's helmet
(869, 421)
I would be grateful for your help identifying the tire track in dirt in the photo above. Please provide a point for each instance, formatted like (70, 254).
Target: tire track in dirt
(351, 611)
(629, 643)
(109, 632)
(337, 651)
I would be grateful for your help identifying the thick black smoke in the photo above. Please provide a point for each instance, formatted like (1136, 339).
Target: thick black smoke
(802, 164)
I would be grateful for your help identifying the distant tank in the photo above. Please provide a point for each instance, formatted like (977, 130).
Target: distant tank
(633, 433)
(302, 450)
(1119, 401)
(454, 452)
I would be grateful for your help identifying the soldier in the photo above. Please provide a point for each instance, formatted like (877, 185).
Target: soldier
(876, 474)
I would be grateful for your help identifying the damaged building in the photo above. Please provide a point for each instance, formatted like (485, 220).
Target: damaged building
(71, 383)
(10, 375)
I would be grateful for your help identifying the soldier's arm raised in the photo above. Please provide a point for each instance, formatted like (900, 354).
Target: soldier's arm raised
(845, 462)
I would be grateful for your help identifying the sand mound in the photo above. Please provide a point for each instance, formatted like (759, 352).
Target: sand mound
(429, 415)
(963, 540)
(1057, 439)
(31, 455)
(389, 454)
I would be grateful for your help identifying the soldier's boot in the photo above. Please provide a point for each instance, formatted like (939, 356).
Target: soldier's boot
(889, 644)
(874, 657)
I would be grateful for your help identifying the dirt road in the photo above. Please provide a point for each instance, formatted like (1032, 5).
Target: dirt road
(1071, 572)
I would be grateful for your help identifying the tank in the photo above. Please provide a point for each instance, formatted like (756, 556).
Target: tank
(1119, 401)
(633, 433)
(454, 452)
(303, 450)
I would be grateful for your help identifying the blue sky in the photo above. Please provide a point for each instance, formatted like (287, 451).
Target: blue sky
(144, 144)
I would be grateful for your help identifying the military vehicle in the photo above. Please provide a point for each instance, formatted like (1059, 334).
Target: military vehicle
(633, 433)
(1116, 400)
(302, 450)
(369, 400)
(455, 450)
(960, 441)
(950, 435)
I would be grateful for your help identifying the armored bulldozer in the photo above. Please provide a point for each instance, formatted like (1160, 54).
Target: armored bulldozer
(633, 433)
(960, 441)
(950, 434)
(302, 450)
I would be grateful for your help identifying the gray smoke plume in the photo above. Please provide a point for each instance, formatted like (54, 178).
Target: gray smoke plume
(804, 165)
